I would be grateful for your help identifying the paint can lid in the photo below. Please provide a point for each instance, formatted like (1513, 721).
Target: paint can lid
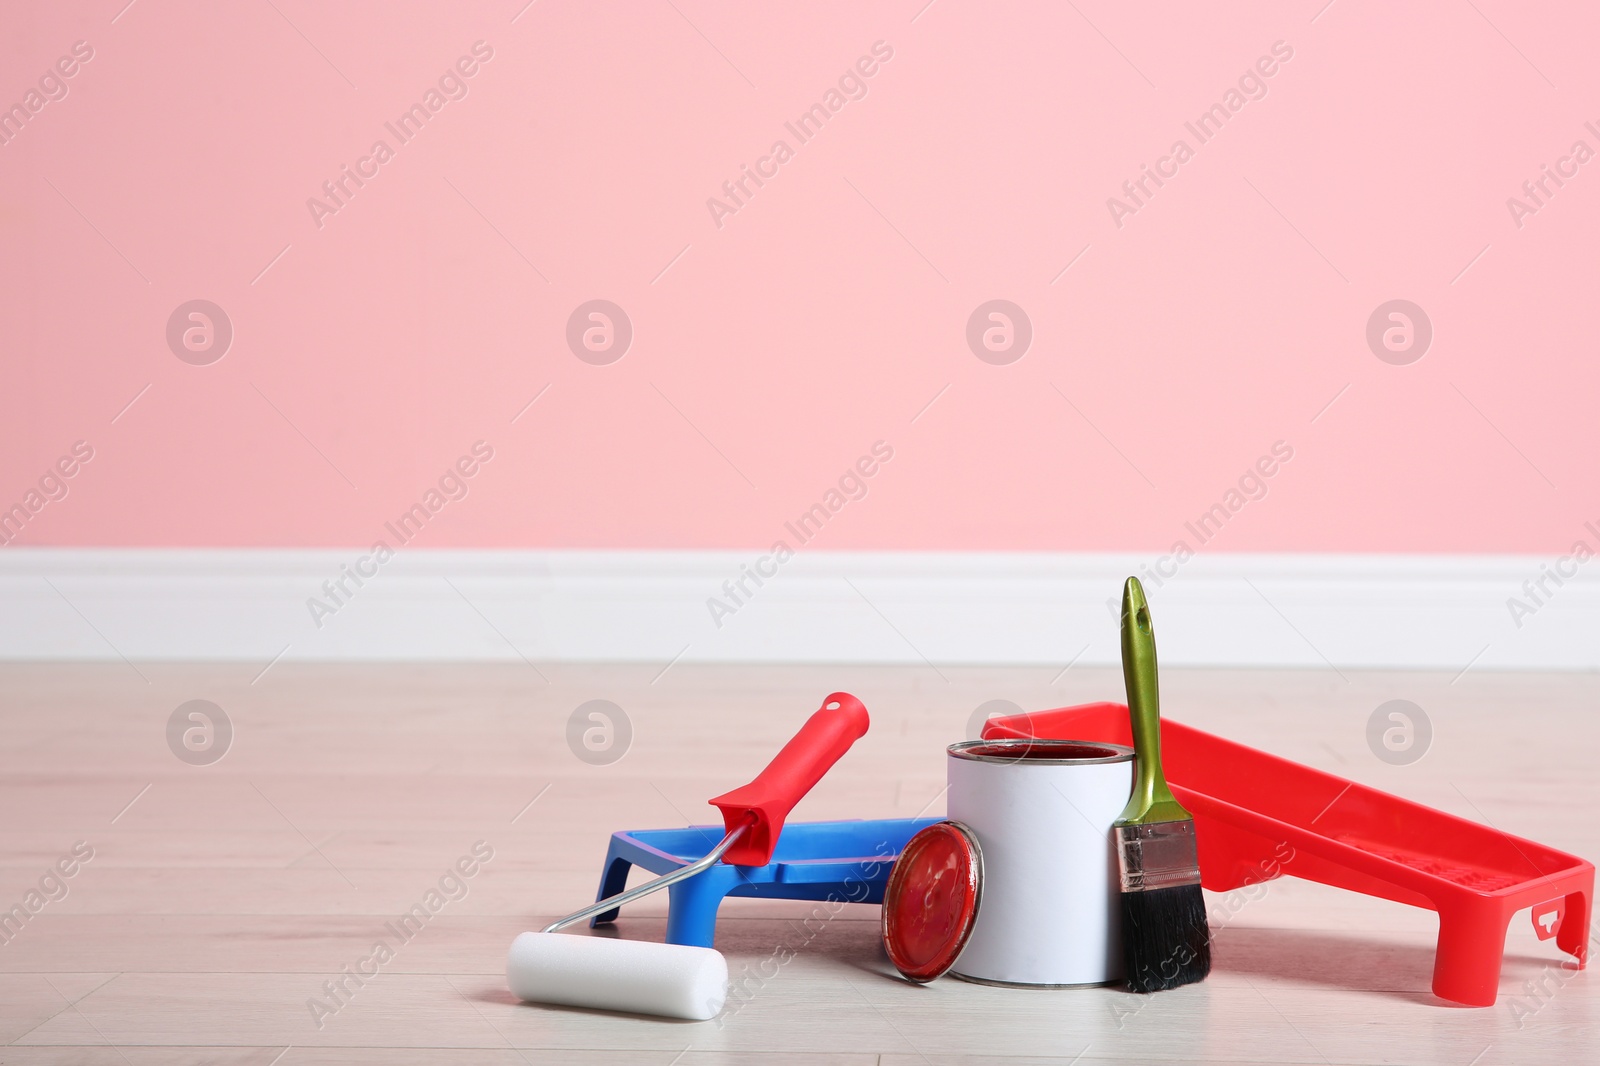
(931, 901)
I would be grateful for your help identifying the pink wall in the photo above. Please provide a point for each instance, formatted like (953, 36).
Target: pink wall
(824, 314)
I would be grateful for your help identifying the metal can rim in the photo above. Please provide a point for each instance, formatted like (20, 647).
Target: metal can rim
(970, 750)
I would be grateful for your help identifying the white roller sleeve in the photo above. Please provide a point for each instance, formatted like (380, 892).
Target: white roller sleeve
(672, 980)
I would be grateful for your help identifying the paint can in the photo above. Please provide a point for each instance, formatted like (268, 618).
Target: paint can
(1041, 813)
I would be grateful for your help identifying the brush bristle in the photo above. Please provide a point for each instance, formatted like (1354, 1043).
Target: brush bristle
(1166, 942)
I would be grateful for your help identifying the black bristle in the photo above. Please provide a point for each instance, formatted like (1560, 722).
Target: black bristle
(1166, 942)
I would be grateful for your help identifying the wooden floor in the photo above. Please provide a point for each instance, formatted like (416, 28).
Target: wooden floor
(220, 898)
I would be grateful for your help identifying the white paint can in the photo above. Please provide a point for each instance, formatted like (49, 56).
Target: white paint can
(1042, 812)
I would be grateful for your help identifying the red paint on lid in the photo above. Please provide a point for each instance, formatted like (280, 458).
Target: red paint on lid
(931, 900)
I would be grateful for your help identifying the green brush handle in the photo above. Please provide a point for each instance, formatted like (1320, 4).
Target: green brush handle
(1152, 800)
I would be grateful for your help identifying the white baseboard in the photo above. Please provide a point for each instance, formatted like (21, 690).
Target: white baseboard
(1436, 612)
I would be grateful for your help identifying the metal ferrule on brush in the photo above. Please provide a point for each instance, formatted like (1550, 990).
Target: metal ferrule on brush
(1159, 855)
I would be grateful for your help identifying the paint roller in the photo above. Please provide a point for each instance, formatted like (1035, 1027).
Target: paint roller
(677, 980)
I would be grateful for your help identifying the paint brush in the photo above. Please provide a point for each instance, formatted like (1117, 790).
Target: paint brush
(1165, 939)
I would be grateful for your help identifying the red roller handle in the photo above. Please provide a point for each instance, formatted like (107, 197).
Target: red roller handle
(768, 799)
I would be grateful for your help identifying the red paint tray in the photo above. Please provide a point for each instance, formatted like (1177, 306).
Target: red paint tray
(1248, 804)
